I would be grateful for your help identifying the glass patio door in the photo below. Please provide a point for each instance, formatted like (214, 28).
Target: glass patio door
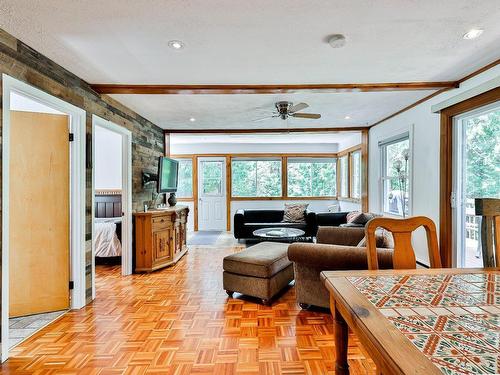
(476, 174)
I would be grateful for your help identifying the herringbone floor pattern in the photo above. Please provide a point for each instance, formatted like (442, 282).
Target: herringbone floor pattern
(180, 321)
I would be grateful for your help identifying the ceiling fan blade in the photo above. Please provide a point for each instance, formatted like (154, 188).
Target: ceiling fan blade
(264, 118)
(306, 115)
(298, 107)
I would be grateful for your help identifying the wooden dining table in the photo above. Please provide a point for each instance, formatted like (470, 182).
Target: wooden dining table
(424, 321)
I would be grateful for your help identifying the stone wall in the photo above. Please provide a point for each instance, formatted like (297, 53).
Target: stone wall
(23, 63)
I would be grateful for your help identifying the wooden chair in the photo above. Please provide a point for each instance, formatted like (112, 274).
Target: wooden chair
(401, 229)
(489, 209)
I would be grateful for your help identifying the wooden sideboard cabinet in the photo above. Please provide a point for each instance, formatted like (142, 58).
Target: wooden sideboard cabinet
(160, 237)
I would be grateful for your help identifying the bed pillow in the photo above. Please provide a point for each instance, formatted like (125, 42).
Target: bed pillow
(294, 212)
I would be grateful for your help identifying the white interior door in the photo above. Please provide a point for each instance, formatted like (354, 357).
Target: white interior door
(212, 193)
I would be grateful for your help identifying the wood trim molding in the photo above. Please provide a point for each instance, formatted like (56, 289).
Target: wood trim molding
(364, 170)
(195, 191)
(252, 155)
(479, 71)
(229, 192)
(349, 150)
(283, 198)
(446, 166)
(457, 84)
(267, 89)
(269, 130)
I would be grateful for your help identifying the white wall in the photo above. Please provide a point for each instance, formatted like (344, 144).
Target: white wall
(424, 127)
(108, 159)
(238, 148)
(353, 139)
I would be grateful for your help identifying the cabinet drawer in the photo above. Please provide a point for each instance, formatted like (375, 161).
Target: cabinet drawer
(161, 222)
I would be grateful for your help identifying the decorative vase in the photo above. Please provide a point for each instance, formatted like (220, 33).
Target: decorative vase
(172, 200)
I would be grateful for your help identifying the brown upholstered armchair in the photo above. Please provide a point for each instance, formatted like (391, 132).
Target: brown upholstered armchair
(336, 249)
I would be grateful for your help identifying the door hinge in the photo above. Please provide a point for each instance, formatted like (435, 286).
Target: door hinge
(71, 137)
(71, 285)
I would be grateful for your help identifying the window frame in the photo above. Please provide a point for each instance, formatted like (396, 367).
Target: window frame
(383, 171)
(351, 174)
(332, 159)
(192, 177)
(256, 159)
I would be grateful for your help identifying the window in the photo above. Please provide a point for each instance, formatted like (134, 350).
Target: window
(256, 177)
(312, 177)
(185, 182)
(344, 176)
(356, 174)
(395, 154)
(212, 172)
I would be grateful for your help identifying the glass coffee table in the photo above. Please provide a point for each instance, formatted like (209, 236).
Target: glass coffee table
(280, 234)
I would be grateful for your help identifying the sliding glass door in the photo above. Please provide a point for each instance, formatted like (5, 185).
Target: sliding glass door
(476, 174)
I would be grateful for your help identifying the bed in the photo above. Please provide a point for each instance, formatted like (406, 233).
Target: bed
(107, 226)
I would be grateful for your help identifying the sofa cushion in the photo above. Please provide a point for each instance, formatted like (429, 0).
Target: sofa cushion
(279, 225)
(262, 260)
(295, 212)
(259, 216)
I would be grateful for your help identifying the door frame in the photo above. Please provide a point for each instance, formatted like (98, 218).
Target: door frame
(446, 242)
(458, 198)
(126, 158)
(77, 123)
(224, 185)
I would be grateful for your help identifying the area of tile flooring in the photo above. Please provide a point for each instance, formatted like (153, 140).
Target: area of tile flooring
(24, 326)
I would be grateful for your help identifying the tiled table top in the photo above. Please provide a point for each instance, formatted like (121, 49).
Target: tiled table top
(453, 319)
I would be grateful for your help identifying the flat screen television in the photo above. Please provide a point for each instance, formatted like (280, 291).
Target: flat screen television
(168, 171)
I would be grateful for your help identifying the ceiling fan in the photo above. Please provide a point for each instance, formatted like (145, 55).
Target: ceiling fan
(286, 109)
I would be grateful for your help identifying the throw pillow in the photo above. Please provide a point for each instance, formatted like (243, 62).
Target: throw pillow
(294, 212)
(362, 218)
(383, 239)
(352, 215)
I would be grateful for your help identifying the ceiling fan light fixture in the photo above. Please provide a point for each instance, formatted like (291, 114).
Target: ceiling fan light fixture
(473, 34)
(336, 40)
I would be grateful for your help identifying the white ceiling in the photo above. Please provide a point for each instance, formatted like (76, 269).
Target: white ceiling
(273, 138)
(259, 42)
(239, 111)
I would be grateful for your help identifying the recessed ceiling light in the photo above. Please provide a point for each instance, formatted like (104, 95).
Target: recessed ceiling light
(176, 44)
(347, 117)
(473, 34)
(192, 119)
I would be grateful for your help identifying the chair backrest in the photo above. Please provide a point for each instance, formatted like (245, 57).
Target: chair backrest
(401, 229)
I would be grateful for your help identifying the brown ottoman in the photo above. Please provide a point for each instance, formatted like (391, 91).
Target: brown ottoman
(260, 271)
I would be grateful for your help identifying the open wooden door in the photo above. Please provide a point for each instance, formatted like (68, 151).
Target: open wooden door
(39, 221)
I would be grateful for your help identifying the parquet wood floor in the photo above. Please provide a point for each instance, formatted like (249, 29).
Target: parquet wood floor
(180, 321)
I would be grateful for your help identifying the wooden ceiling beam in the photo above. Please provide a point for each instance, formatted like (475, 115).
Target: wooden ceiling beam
(269, 89)
(271, 130)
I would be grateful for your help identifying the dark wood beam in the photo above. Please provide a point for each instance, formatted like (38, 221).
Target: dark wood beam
(268, 89)
(271, 130)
